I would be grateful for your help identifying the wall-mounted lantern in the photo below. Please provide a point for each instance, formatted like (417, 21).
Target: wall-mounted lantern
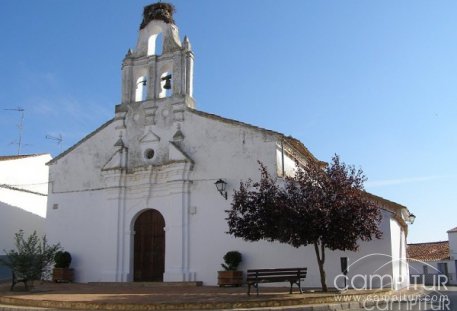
(221, 186)
(411, 218)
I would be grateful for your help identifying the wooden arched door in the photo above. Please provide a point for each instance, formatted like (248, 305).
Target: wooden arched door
(149, 247)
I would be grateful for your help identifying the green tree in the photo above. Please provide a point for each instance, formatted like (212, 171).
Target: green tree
(32, 258)
(322, 206)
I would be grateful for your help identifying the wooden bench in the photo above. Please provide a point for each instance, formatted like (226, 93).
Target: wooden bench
(291, 275)
(18, 279)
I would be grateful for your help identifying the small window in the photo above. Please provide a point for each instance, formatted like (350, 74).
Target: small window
(149, 154)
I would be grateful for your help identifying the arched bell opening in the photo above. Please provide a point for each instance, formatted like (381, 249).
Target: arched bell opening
(155, 44)
(166, 85)
(141, 89)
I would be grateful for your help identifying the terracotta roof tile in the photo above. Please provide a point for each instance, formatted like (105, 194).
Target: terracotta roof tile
(452, 230)
(433, 251)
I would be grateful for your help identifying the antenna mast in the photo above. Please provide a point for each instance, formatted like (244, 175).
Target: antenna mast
(20, 127)
(57, 139)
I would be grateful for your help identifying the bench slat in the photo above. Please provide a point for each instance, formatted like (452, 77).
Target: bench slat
(276, 279)
(254, 275)
(277, 269)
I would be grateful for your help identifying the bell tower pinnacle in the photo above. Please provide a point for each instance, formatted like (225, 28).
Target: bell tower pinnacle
(161, 67)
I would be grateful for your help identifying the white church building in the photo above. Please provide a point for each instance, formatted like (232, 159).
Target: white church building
(136, 200)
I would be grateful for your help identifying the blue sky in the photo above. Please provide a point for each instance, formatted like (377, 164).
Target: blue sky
(373, 81)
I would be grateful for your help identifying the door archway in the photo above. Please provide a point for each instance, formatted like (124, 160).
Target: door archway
(149, 247)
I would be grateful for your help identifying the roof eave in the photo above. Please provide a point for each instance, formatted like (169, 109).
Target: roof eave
(63, 154)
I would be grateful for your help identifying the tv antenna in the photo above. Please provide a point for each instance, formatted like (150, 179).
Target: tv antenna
(20, 127)
(57, 139)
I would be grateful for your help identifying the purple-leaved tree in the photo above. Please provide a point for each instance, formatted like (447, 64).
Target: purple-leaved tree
(322, 206)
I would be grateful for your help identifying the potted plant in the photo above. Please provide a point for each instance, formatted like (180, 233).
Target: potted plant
(230, 276)
(62, 271)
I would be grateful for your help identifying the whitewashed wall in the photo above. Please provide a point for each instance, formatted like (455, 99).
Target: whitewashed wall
(81, 215)
(28, 173)
(285, 163)
(93, 219)
(453, 256)
(22, 210)
(399, 262)
(452, 237)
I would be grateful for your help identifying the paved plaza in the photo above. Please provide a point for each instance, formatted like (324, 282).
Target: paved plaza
(169, 296)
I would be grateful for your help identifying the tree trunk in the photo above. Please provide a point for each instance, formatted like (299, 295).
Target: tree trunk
(320, 261)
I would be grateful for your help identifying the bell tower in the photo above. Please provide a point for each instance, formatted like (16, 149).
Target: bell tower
(160, 67)
(157, 78)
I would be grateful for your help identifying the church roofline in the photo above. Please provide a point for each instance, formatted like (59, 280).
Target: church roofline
(388, 203)
(80, 142)
(300, 147)
(296, 144)
(396, 209)
(293, 142)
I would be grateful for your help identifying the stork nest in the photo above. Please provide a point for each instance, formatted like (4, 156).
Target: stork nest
(158, 11)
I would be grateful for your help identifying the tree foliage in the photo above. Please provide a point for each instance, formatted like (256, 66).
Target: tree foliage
(320, 206)
(32, 258)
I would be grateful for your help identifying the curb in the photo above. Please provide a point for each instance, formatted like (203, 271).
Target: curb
(329, 307)
(299, 303)
(326, 303)
(20, 308)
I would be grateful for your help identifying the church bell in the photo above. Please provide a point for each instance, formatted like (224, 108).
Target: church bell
(167, 80)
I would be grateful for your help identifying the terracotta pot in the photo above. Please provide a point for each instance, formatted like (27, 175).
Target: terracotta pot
(63, 275)
(229, 278)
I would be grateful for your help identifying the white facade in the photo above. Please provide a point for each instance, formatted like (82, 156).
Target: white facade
(452, 264)
(23, 198)
(160, 153)
(452, 238)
